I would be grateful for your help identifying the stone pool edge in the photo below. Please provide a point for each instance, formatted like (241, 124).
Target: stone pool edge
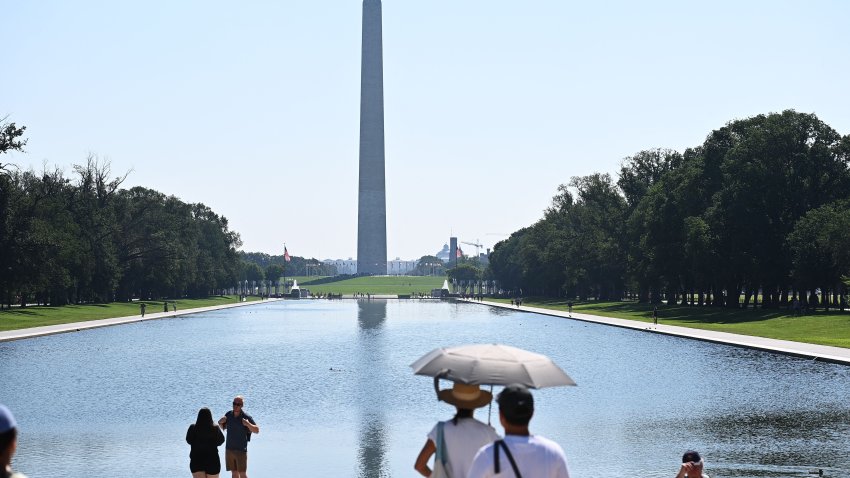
(32, 332)
(823, 353)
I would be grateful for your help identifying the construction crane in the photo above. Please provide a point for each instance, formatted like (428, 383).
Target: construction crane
(477, 245)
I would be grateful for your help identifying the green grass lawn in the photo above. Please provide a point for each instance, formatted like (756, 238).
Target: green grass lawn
(22, 318)
(382, 285)
(823, 328)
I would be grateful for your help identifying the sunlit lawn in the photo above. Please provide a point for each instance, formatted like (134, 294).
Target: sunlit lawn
(21, 318)
(824, 328)
(381, 285)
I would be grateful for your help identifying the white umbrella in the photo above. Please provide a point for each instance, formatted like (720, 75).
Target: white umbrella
(491, 364)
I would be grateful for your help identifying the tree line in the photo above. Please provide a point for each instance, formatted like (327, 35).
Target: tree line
(258, 266)
(758, 213)
(83, 239)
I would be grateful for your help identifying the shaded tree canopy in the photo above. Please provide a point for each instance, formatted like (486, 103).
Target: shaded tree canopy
(759, 207)
(84, 239)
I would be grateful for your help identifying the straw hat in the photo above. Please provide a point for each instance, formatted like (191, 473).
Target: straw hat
(466, 396)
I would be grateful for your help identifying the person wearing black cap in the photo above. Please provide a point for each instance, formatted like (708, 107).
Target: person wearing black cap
(8, 443)
(519, 454)
(691, 466)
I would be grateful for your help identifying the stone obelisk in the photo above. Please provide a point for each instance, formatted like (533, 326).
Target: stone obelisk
(372, 204)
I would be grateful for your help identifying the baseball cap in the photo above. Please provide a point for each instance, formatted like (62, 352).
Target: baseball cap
(7, 420)
(516, 403)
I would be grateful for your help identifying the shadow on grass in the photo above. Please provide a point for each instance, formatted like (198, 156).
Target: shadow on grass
(42, 309)
(25, 311)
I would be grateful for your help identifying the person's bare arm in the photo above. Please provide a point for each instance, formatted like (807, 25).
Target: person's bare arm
(250, 426)
(421, 464)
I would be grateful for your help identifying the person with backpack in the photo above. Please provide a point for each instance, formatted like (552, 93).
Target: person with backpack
(519, 454)
(239, 426)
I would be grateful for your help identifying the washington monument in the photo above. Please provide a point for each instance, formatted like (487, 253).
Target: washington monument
(372, 205)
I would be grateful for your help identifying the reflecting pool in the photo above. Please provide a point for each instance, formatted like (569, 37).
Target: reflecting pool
(329, 384)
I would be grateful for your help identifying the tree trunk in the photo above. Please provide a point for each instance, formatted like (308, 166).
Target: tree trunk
(825, 298)
(733, 297)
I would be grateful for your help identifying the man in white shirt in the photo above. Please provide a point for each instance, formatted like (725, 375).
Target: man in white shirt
(520, 454)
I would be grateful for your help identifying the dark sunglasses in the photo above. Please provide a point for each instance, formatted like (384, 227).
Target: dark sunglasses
(237, 404)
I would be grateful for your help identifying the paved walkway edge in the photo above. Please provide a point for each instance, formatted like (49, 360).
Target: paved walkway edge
(824, 353)
(32, 332)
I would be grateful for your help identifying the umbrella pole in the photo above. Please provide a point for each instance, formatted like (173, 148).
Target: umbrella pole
(490, 407)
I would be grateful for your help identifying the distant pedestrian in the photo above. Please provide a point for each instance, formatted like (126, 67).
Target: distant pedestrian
(174, 306)
(142, 307)
(570, 308)
(655, 315)
(165, 306)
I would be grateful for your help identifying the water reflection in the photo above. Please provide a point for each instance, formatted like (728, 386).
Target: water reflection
(371, 314)
(372, 453)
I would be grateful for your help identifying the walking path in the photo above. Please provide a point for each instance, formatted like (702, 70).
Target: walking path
(818, 352)
(93, 324)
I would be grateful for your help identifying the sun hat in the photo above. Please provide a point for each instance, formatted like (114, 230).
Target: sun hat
(7, 420)
(466, 396)
(516, 403)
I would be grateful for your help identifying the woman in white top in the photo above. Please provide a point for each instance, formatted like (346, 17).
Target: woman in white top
(463, 434)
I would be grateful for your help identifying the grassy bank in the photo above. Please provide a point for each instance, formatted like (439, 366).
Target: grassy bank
(22, 318)
(381, 285)
(823, 328)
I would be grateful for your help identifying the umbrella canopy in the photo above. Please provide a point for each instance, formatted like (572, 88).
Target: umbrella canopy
(491, 364)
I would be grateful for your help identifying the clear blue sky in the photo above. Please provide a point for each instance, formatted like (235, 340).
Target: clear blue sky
(489, 105)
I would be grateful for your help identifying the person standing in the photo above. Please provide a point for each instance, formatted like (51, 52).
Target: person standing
(205, 438)
(463, 435)
(142, 308)
(655, 315)
(691, 466)
(239, 426)
(8, 443)
(519, 454)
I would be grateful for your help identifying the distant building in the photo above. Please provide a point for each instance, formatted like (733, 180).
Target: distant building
(395, 267)
(398, 267)
(444, 253)
(484, 258)
(343, 266)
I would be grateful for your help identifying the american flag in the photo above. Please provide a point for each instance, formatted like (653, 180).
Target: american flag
(459, 252)
(286, 254)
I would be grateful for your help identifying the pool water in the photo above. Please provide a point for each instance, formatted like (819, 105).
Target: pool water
(330, 386)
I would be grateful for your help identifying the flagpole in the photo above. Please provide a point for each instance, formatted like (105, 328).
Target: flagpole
(284, 269)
